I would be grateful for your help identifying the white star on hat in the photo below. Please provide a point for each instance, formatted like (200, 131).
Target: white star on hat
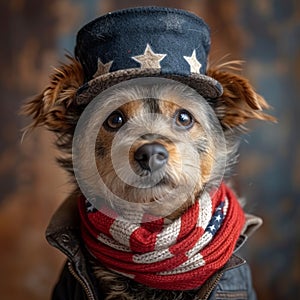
(149, 60)
(102, 68)
(192, 60)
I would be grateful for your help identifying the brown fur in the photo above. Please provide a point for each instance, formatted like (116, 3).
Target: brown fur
(55, 108)
(50, 108)
(239, 102)
(134, 109)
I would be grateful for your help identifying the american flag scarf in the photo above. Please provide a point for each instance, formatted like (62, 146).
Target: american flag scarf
(181, 255)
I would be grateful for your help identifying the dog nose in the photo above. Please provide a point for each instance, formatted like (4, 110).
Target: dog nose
(152, 156)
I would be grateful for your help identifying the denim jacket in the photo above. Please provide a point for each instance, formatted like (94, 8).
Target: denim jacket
(77, 281)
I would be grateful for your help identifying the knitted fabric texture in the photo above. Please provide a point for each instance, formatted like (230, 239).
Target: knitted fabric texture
(177, 256)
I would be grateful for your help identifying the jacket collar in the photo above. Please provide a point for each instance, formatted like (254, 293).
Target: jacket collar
(63, 233)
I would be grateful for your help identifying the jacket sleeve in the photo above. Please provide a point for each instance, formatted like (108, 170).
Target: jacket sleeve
(67, 287)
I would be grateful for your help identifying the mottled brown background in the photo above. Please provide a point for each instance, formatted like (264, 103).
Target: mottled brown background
(34, 37)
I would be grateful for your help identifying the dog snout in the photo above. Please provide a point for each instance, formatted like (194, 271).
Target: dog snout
(151, 157)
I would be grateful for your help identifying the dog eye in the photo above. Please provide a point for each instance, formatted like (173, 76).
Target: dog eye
(184, 119)
(115, 121)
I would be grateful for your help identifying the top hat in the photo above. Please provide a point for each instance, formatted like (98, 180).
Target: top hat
(145, 42)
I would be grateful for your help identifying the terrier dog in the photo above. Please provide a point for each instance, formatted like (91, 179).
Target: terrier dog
(150, 149)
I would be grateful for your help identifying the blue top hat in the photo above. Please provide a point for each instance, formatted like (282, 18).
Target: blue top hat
(141, 42)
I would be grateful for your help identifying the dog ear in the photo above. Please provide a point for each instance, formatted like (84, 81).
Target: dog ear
(50, 107)
(239, 101)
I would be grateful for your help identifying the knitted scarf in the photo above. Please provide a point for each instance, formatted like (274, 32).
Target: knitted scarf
(181, 255)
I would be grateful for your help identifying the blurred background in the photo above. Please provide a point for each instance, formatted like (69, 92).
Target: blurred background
(35, 36)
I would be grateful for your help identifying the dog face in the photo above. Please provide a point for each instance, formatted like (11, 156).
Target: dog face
(162, 137)
(160, 146)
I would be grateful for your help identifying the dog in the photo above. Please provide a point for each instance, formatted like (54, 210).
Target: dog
(149, 152)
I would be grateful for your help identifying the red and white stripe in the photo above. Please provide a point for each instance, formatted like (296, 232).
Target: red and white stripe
(181, 255)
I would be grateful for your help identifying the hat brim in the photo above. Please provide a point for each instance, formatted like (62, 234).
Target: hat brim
(206, 86)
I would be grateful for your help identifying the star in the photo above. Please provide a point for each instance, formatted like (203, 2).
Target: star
(192, 60)
(90, 206)
(212, 227)
(149, 60)
(102, 68)
(218, 218)
(221, 206)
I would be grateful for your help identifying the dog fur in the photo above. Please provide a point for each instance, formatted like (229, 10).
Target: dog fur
(55, 108)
